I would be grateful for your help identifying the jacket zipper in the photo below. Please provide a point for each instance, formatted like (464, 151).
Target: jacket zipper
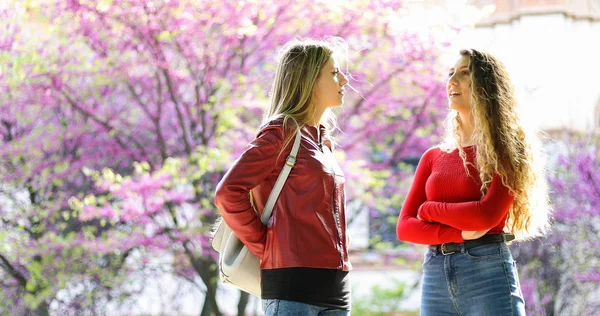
(336, 219)
(336, 216)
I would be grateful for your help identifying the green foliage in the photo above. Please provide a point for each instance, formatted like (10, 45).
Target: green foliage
(384, 300)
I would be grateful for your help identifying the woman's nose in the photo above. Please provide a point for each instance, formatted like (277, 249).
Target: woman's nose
(452, 80)
(344, 80)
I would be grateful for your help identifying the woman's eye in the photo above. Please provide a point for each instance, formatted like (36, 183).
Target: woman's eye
(335, 72)
(465, 72)
(450, 74)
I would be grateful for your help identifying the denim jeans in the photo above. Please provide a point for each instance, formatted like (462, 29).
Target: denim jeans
(291, 308)
(482, 280)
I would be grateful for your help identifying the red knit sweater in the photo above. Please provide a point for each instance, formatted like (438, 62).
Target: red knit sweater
(448, 200)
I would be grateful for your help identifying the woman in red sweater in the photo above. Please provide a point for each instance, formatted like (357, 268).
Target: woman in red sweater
(480, 183)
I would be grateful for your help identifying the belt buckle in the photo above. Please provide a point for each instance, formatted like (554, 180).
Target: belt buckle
(442, 248)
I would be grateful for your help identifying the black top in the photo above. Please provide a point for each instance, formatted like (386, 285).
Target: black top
(327, 288)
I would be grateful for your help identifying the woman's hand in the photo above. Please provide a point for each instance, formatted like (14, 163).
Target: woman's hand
(470, 234)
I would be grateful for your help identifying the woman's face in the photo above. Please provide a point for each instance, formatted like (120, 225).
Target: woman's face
(329, 87)
(458, 87)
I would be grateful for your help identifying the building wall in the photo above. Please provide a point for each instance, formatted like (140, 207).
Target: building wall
(552, 51)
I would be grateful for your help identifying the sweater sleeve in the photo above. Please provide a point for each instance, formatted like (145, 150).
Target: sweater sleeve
(412, 229)
(476, 215)
(232, 193)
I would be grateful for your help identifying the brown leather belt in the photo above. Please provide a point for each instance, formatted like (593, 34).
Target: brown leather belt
(450, 248)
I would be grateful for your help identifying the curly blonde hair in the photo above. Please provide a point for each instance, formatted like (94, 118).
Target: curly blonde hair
(503, 146)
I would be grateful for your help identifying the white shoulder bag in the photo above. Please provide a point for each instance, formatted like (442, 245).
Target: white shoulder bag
(237, 265)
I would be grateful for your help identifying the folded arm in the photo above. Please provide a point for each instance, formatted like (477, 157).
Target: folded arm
(412, 229)
(475, 215)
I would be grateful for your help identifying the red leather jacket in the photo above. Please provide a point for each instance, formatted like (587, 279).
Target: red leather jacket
(308, 224)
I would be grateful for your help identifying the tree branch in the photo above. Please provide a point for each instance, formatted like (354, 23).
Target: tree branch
(12, 271)
(104, 124)
(155, 120)
(410, 133)
(188, 147)
(377, 86)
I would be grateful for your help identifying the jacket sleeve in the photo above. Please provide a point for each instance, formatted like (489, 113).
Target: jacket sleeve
(412, 229)
(249, 170)
(476, 215)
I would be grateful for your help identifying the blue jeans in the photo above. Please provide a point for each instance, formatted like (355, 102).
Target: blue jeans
(291, 308)
(482, 280)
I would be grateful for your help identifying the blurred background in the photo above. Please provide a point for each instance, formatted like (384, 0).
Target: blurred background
(119, 117)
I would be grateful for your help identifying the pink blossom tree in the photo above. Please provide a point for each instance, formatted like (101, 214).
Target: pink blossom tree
(119, 118)
(560, 273)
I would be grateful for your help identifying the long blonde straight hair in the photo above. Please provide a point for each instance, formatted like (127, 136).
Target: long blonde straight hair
(503, 146)
(298, 69)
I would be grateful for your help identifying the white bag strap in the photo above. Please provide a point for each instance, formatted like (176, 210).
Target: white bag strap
(290, 161)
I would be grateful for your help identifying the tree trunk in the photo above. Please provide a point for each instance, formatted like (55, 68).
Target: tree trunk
(42, 309)
(205, 267)
(206, 308)
(210, 279)
(244, 296)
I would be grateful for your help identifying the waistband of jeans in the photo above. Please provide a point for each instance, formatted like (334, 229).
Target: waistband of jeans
(450, 248)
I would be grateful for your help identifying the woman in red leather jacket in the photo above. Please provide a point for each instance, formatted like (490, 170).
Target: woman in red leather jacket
(303, 247)
(481, 181)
